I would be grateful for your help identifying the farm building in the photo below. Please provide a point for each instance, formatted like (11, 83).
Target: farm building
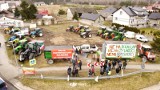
(5, 21)
(131, 16)
(44, 19)
(39, 3)
(91, 19)
(79, 11)
(154, 19)
(108, 13)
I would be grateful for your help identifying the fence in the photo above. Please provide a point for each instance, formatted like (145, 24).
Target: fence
(88, 78)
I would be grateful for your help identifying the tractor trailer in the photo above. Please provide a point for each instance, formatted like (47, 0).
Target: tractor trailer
(52, 53)
(118, 49)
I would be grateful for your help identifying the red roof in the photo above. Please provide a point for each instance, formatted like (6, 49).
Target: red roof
(43, 12)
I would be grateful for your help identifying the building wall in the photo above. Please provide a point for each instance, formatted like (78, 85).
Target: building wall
(121, 17)
(100, 20)
(4, 6)
(69, 14)
(154, 22)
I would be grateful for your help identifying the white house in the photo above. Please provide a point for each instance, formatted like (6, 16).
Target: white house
(91, 19)
(154, 19)
(4, 6)
(79, 11)
(131, 16)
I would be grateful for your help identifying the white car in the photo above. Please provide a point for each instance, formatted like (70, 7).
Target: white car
(23, 31)
(129, 34)
(141, 38)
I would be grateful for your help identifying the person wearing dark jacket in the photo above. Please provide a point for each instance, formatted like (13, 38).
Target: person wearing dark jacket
(80, 64)
(69, 70)
(117, 70)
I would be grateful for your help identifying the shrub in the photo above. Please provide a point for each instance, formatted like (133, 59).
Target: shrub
(61, 12)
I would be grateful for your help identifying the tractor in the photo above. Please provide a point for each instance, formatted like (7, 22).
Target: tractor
(70, 28)
(146, 52)
(14, 30)
(107, 33)
(86, 33)
(101, 30)
(21, 46)
(8, 29)
(78, 28)
(36, 32)
(33, 49)
(118, 36)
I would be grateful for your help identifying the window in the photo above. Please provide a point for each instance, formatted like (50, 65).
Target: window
(120, 12)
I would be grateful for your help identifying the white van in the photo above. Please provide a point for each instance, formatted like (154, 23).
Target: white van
(130, 34)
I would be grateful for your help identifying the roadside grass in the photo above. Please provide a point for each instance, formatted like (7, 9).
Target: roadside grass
(133, 82)
(107, 23)
(148, 31)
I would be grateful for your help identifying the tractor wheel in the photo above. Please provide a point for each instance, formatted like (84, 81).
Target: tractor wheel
(50, 61)
(40, 34)
(84, 36)
(33, 36)
(90, 35)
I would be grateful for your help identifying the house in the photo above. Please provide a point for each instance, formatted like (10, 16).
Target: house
(154, 19)
(39, 3)
(151, 9)
(108, 13)
(131, 16)
(4, 6)
(156, 5)
(79, 11)
(91, 19)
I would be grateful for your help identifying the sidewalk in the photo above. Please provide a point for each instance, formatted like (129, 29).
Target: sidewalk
(7, 70)
(154, 87)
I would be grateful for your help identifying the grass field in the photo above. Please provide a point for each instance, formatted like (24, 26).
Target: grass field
(134, 82)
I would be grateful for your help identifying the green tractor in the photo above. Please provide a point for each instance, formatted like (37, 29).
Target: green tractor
(101, 30)
(21, 46)
(118, 36)
(107, 33)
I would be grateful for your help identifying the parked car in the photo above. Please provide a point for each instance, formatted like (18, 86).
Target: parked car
(87, 48)
(23, 31)
(3, 85)
(129, 34)
(141, 38)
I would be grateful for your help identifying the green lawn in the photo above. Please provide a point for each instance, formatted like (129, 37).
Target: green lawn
(148, 31)
(134, 82)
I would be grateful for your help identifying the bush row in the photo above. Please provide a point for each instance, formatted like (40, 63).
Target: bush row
(133, 29)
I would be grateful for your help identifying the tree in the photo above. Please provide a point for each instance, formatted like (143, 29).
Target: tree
(17, 12)
(156, 42)
(27, 11)
(75, 16)
(33, 11)
(61, 12)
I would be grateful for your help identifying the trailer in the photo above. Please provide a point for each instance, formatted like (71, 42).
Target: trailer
(52, 53)
(119, 49)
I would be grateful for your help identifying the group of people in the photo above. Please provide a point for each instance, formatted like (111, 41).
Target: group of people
(108, 66)
(76, 62)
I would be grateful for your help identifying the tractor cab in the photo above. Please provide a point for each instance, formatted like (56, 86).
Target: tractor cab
(146, 51)
(70, 28)
(101, 30)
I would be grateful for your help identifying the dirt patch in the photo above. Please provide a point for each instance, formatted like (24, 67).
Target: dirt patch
(58, 40)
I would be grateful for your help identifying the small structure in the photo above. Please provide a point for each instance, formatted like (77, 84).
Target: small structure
(44, 20)
(39, 3)
(131, 16)
(151, 9)
(4, 6)
(154, 19)
(4, 21)
(92, 19)
(79, 11)
(108, 13)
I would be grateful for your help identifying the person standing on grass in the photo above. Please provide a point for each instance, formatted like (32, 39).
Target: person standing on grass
(93, 70)
(89, 73)
(80, 64)
(69, 71)
(73, 71)
(117, 70)
(102, 70)
(76, 72)
(113, 64)
(107, 69)
(124, 64)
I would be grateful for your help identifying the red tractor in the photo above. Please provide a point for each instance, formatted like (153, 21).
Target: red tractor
(145, 51)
